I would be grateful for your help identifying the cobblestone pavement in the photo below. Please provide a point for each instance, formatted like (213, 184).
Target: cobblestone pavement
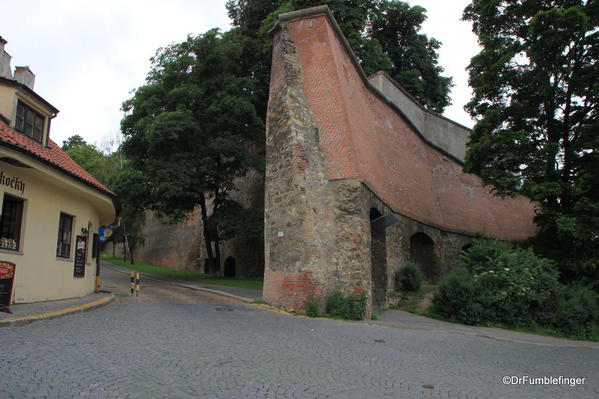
(196, 345)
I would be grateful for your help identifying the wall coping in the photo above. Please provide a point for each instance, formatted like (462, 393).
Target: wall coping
(325, 10)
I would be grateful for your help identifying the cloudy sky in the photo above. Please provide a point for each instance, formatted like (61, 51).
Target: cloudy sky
(89, 55)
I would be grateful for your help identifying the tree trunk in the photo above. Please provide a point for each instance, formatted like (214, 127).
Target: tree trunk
(207, 235)
(126, 243)
(215, 205)
(217, 253)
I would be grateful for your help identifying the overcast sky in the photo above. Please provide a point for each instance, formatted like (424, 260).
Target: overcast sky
(89, 55)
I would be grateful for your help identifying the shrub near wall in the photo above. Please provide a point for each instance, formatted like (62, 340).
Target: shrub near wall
(494, 283)
(409, 278)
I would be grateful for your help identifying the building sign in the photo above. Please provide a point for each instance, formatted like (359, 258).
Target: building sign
(7, 276)
(104, 233)
(80, 255)
(12, 182)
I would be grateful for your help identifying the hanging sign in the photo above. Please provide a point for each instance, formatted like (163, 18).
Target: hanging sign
(105, 233)
(7, 276)
(80, 256)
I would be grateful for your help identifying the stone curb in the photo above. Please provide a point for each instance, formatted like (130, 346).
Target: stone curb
(22, 320)
(183, 285)
(573, 344)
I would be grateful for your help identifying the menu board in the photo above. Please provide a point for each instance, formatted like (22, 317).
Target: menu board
(80, 255)
(7, 275)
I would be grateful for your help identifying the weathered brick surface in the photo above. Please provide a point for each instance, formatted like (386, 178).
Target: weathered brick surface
(365, 138)
(295, 228)
(337, 154)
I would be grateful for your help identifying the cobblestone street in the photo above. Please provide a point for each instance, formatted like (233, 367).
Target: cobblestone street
(177, 343)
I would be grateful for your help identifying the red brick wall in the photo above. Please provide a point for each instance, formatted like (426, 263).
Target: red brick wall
(365, 138)
(288, 290)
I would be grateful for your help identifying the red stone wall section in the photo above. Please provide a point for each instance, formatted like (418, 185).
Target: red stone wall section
(365, 138)
(289, 290)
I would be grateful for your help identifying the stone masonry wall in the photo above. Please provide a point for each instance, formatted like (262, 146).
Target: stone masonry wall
(296, 231)
(364, 136)
(352, 192)
(182, 246)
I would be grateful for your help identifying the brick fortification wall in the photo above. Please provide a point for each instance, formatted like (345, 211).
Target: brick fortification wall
(340, 154)
(182, 246)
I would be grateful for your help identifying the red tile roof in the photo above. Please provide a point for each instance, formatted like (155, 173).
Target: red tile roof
(51, 154)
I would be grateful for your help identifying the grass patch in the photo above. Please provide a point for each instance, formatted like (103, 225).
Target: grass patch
(183, 275)
(412, 301)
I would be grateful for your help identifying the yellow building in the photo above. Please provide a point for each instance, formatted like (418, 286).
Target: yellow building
(50, 207)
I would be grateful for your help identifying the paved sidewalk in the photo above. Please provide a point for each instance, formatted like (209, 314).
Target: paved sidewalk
(24, 313)
(243, 294)
(409, 321)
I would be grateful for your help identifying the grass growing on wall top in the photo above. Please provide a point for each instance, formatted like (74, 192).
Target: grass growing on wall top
(183, 275)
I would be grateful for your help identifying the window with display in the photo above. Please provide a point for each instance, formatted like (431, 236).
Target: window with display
(10, 222)
(65, 228)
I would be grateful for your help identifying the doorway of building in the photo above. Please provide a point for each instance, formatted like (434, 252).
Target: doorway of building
(378, 258)
(422, 252)
(230, 267)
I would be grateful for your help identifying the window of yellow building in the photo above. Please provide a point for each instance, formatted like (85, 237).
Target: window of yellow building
(65, 229)
(10, 222)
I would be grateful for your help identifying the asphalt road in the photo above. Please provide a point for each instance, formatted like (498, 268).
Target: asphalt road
(173, 342)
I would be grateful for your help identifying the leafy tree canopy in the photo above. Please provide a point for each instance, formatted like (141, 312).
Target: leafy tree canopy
(396, 25)
(188, 130)
(535, 97)
(90, 158)
(384, 34)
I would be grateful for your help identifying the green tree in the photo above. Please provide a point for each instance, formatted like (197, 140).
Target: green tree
(90, 158)
(189, 131)
(415, 61)
(535, 97)
(73, 141)
(384, 35)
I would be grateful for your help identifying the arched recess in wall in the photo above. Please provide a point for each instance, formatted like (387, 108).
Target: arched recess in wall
(230, 267)
(422, 252)
(466, 248)
(378, 257)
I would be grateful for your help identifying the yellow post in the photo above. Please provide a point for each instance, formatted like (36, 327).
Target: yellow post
(132, 283)
(137, 286)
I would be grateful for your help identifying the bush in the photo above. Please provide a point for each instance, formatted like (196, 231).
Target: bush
(346, 306)
(495, 283)
(455, 298)
(409, 277)
(313, 307)
(577, 311)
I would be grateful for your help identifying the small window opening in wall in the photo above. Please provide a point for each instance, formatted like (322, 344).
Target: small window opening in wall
(29, 122)
(65, 228)
(10, 223)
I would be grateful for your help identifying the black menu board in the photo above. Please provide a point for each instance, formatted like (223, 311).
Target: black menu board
(80, 248)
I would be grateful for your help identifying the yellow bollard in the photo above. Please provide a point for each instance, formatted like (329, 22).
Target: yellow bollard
(132, 283)
(137, 286)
